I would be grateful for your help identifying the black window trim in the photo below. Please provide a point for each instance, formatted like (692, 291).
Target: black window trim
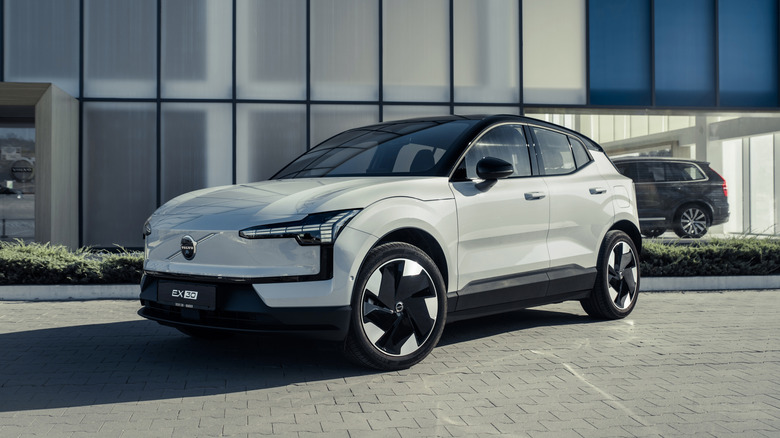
(568, 135)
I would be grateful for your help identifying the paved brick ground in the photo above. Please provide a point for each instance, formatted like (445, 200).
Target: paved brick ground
(695, 364)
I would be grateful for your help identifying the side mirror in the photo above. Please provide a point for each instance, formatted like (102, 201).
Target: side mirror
(490, 168)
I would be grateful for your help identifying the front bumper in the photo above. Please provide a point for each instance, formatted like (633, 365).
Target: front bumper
(239, 308)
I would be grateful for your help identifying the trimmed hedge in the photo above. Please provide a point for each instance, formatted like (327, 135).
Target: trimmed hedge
(715, 257)
(33, 263)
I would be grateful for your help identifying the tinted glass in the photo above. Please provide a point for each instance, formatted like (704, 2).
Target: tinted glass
(683, 172)
(505, 142)
(557, 157)
(383, 150)
(627, 169)
(650, 172)
(581, 156)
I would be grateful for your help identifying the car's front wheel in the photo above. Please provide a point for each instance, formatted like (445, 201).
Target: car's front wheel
(399, 308)
(617, 283)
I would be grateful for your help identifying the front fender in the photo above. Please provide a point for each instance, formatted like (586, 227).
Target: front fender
(438, 218)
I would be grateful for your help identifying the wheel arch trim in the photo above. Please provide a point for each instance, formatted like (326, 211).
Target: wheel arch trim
(632, 230)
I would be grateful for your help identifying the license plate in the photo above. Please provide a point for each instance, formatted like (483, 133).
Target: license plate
(188, 295)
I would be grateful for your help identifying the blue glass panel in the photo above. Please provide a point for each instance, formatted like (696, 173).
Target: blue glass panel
(747, 36)
(619, 52)
(685, 53)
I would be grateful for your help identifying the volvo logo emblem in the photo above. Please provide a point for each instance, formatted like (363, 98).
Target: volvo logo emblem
(23, 170)
(188, 247)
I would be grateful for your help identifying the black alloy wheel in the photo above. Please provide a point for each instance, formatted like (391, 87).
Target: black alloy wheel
(617, 283)
(399, 308)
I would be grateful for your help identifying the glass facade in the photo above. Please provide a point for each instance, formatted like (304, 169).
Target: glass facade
(120, 160)
(684, 53)
(352, 72)
(747, 37)
(486, 56)
(49, 29)
(17, 181)
(620, 48)
(177, 95)
(120, 46)
(195, 147)
(196, 42)
(262, 145)
(554, 52)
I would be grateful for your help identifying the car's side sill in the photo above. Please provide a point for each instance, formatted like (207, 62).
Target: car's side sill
(529, 289)
(517, 305)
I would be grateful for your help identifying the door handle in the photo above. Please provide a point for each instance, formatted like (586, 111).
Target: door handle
(597, 190)
(531, 196)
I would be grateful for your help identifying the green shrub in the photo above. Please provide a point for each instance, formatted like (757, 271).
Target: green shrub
(716, 257)
(33, 263)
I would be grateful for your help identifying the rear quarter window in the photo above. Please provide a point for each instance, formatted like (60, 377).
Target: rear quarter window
(684, 172)
(581, 156)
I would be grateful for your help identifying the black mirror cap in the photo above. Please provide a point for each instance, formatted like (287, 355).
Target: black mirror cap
(490, 168)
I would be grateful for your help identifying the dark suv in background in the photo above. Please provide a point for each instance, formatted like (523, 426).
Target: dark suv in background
(684, 195)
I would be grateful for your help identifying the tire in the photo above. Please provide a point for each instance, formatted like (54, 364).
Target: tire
(399, 307)
(653, 232)
(203, 333)
(691, 221)
(617, 283)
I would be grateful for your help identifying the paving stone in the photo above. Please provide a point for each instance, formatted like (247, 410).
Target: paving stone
(683, 364)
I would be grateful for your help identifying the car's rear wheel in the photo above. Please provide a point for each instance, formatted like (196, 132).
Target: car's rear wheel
(399, 308)
(691, 221)
(617, 283)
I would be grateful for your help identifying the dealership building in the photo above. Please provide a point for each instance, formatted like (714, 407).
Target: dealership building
(109, 108)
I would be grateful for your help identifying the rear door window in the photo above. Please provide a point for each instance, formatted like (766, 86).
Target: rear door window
(650, 172)
(557, 157)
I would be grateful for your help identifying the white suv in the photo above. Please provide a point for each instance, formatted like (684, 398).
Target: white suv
(381, 234)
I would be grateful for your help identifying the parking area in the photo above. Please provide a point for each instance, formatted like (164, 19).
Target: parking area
(683, 364)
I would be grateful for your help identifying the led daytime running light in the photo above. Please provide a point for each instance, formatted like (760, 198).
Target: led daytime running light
(321, 228)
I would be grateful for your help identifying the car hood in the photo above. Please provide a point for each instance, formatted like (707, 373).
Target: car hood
(286, 200)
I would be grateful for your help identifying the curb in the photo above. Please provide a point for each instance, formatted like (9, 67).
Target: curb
(63, 292)
(736, 282)
(59, 292)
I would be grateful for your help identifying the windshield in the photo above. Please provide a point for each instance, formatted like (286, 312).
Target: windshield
(421, 148)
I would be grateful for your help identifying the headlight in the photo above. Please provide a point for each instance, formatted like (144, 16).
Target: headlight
(314, 229)
(147, 228)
